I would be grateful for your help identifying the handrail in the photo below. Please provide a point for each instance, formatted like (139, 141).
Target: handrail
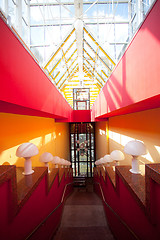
(119, 218)
(41, 223)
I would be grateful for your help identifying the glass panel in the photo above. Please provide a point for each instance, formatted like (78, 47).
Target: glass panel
(72, 141)
(89, 172)
(83, 169)
(38, 52)
(76, 173)
(88, 139)
(25, 11)
(84, 156)
(92, 140)
(75, 169)
(92, 155)
(72, 156)
(2, 5)
(36, 15)
(12, 11)
(25, 31)
(37, 35)
(81, 105)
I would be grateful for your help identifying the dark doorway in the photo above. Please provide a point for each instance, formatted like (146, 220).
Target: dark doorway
(82, 144)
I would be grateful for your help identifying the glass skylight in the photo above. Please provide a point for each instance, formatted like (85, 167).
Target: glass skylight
(73, 59)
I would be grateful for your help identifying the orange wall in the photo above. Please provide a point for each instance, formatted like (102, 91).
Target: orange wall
(101, 138)
(143, 126)
(47, 135)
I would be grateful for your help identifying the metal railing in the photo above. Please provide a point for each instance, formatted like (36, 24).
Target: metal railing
(41, 223)
(62, 199)
(119, 218)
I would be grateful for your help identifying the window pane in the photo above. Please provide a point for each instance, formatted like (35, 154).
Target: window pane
(37, 35)
(72, 141)
(83, 169)
(72, 156)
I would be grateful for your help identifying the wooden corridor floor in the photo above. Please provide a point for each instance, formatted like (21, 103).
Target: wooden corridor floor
(83, 218)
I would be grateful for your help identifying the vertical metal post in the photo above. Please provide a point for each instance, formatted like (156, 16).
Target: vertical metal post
(139, 11)
(44, 31)
(130, 19)
(29, 23)
(19, 17)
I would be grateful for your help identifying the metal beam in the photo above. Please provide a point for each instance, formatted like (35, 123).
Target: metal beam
(92, 66)
(62, 44)
(98, 55)
(93, 39)
(68, 72)
(93, 75)
(69, 76)
(72, 3)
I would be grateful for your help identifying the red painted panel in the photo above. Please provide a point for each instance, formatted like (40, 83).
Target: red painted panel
(23, 82)
(122, 202)
(34, 211)
(136, 77)
(81, 116)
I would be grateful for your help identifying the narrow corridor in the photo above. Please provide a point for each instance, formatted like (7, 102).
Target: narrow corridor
(83, 217)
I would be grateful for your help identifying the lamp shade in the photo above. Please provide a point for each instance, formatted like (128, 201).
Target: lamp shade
(27, 150)
(100, 161)
(135, 148)
(96, 162)
(46, 157)
(56, 160)
(117, 155)
(107, 158)
(68, 163)
(63, 162)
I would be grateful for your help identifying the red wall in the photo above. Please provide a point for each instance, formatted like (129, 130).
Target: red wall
(122, 202)
(134, 84)
(23, 82)
(34, 211)
(81, 116)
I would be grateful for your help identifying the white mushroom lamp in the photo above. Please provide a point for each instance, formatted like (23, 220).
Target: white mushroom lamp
(101, 162)
(98, 162)
(67, 164)
(135, 148)
(107, 159)
(56, 160)
(117, 155)
(27, 150)
(46, 157)
(62, 162)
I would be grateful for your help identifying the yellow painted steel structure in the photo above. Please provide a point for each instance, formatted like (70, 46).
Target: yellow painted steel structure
(63, 67)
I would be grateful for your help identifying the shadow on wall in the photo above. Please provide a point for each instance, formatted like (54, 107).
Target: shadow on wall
(47, 135)
(153, 155)
(115, 91)
(143, 126)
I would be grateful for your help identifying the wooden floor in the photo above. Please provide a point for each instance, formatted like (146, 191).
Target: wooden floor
(83, 217)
